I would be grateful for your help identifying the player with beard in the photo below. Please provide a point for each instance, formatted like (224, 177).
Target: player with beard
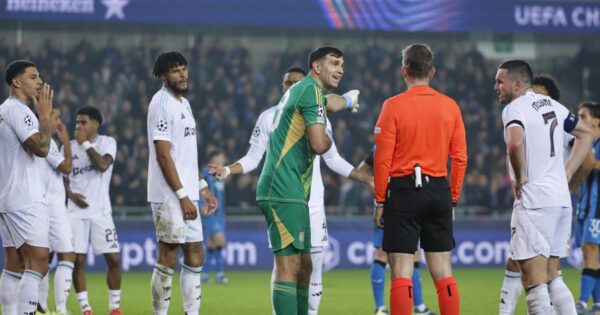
(541, 217)
(174, 187)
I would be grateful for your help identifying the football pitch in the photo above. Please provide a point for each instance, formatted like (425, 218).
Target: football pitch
(345, 292)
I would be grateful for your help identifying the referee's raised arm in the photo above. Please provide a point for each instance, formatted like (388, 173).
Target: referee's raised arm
(417, 131)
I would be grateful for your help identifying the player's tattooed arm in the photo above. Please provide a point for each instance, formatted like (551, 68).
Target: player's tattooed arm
(39, 143)
(102, 163)
(363, 177)
(582, 172)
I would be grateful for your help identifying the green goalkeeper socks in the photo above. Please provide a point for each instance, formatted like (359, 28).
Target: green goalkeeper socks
(302, 298)
(284, 298)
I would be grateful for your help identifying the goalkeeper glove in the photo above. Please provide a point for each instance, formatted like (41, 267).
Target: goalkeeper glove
(352, 100)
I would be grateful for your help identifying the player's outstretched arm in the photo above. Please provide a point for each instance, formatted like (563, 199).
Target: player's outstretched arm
(348, 100)
(584, 136)
(339, 165)
(588, 164)
(246, 164)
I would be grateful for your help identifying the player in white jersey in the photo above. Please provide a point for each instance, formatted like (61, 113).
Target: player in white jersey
(89, 206)
(258, 145)
(52, 169)
(174, 187)
(510, 292)
(23, 212)
(540, 223)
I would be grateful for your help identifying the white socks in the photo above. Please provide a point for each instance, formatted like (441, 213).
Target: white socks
(191, 280)
(84, 304)
(63, 279)
(28, 292)
(510, 292)
(315, 289)
(561, 297)
(9, 282)
(43, 294)
(114, 299)
(162, 278)
(538, 300)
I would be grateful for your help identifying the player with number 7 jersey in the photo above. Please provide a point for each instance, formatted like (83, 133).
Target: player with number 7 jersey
(540, 116)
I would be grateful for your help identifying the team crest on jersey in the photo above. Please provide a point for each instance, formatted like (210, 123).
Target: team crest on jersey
(161, 125)
(28, 121)
(255, 132)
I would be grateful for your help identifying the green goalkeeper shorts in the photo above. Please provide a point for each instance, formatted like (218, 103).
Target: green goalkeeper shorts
(288, 226)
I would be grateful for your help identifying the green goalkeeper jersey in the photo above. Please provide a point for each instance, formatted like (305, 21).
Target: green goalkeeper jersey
(287, 172)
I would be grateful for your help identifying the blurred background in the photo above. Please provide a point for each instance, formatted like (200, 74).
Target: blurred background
(100, 53)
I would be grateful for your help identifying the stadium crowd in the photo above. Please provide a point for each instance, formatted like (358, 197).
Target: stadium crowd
(228, 90)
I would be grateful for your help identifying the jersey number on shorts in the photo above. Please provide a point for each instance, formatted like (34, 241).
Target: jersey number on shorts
(111, 235)
(551, 116)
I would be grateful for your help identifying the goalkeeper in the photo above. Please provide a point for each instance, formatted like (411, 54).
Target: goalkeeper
(258, 145)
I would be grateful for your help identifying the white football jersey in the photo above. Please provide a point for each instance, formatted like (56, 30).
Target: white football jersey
(20, 182)
(55, 189)
(543, 122)
(171, 120)
(85, 179)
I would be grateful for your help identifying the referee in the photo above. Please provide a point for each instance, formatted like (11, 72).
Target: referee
(416, 133)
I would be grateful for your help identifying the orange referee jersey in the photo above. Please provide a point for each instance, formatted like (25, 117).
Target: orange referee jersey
(420, 126)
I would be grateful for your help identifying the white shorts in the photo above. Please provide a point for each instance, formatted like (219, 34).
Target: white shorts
(544, 231)
(170, 226)
(61, 233)
(318, 227)
(26, 226)
(100, 230)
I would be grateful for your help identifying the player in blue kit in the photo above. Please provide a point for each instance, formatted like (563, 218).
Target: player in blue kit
(214, 226)
(380, 261)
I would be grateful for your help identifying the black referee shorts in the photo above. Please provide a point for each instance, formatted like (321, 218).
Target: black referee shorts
(411, 214)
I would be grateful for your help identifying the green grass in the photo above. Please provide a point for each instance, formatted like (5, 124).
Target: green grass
(345, 292)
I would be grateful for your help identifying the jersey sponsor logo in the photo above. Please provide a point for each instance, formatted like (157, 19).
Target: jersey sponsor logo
(56, 6)
(162, 125)
(377, 130)
(255, 132)
(83, 170)
(28, 121)
(189, 131)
